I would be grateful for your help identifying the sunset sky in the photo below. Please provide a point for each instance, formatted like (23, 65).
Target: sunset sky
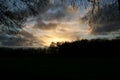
(61, 23)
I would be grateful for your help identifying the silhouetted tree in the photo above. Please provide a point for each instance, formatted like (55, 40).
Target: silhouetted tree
(87, 48)
(119, 4)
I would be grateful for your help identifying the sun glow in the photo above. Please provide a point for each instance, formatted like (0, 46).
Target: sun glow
(56, 39)
(63, 32)
(67, 29)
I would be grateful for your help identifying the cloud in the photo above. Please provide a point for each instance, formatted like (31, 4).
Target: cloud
(43, 26)
(8, 40)
(25, 39)
(106, 20)
(60, 23)
(106, 28)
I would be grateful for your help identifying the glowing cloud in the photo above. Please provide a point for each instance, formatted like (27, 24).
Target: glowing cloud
(64, 31)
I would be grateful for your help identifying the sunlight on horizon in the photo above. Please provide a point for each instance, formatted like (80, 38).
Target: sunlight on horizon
(61, 24)
(65, 31)
(51, 40)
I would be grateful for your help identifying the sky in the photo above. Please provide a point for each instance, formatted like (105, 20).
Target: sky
(61, 23)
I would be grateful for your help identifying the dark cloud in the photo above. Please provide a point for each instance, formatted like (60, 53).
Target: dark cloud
(55, 13)
(105, 20)
(10, 40)
(28, 39)
(107, 28)
(43, 26)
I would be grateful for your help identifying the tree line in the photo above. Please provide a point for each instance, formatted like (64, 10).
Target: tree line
(95, 47)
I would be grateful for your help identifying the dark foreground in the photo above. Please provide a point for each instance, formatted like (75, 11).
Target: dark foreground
(86, 60)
